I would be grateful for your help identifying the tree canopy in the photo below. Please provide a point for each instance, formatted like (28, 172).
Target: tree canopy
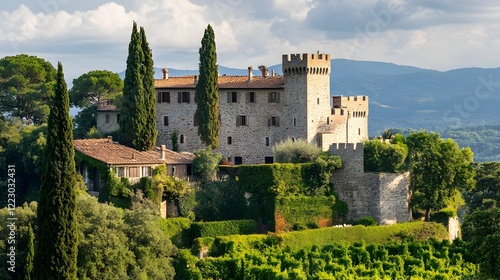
(26, 85)
(207, 92)
(95, 86)
(438, 168)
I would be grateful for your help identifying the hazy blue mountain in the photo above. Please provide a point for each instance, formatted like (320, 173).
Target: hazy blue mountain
(406, 96)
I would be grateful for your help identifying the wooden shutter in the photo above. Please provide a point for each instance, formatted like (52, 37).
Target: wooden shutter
(188, 97)
(179, 97)
(248, 97)
(158, 97)
(238, 120)
(229, 97)
(278, 97)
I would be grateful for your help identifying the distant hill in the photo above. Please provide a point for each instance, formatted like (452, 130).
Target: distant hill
(406, 96)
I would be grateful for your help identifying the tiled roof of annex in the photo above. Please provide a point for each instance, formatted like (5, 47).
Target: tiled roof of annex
(106, 107)
(172, 157)
(109, 152)
(225, 82)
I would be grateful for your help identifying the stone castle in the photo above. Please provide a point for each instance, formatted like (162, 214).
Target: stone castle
(257, 112)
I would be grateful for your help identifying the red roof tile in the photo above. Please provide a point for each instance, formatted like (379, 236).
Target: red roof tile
(109, 152)
(172, 157)
(225, 82)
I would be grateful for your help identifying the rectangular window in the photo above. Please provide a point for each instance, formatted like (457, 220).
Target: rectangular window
(273, 97)
(229, 140)
(238, 160)
(232, 97)
(146, 171)
(183, 97)
(273, 121)
(120, 171)
(241, 120)
(163, 97)
(294, 121)
(165, 120)
(133, 172)
(107, 118)
(251, 97)
(195, 121)
(117, 118)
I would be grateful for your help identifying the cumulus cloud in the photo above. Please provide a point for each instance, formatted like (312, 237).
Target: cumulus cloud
(94, 34)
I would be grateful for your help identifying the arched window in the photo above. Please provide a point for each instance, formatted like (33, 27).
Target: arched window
(182, 139)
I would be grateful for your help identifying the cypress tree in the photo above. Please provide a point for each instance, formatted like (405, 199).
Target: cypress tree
(133, 111)
(56, 247)
(207, 92)
(30, 253)
(149, 132)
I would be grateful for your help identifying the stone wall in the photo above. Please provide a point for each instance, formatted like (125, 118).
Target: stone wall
(382, 196)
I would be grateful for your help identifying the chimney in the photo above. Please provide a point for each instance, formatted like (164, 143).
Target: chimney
(195, 79)
(272, 73)
(110, 139)
(163, 149)
(264, 70)
(250, 75)
(165, 73)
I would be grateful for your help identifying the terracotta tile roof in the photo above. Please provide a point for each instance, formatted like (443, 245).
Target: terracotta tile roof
(113, 153)
(225, 82)
(172, 157)
(106, 107)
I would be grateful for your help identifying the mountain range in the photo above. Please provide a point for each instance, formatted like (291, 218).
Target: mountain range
(406, 96)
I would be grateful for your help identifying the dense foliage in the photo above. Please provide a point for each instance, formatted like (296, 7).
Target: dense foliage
(113, 243)
(207, 92)
(300, 212)
(206, 163)
(220, 228)
(137, 130)
(55, 255)
(438, 168)
(381, 156)
(26, 86)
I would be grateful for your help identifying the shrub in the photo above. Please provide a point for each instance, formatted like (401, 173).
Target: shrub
(295, 151)
(222, 228)
(178, 230)
(205, 164)
(366, 221)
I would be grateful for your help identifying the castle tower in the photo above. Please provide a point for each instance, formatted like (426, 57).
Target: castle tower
(306, 98)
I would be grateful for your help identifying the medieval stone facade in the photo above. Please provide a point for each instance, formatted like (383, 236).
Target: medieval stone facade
(258, 112)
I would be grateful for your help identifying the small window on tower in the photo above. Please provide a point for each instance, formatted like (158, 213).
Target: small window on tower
(107, 118)
(251, 97)
(165, 120)
(229, 140)
(182, 139)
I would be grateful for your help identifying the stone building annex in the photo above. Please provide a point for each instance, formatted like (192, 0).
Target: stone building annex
(257, 112)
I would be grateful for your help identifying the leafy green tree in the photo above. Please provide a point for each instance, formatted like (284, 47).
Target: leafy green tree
(94, 87)
(148, 71)
(295, 151)
(26, 85)
(486, 194)
(384, 157)
(481, 230)
(438, 168)
(57, 238)
(133, 112)
(319, 173)
(207, 92)
(30, 254)
(206, 163)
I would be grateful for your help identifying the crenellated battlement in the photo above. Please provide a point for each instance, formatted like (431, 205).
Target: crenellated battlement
(299, 64)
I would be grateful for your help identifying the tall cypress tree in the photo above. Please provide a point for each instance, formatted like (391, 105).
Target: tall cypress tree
(56, 248)
(133, 111)
(149, 132)
(207, 92)
(30, 253)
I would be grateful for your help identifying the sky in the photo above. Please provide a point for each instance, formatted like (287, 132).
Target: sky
(94, 34)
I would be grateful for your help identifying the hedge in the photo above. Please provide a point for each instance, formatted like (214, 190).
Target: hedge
(178, 230)
(230, 227)
(300, 212)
